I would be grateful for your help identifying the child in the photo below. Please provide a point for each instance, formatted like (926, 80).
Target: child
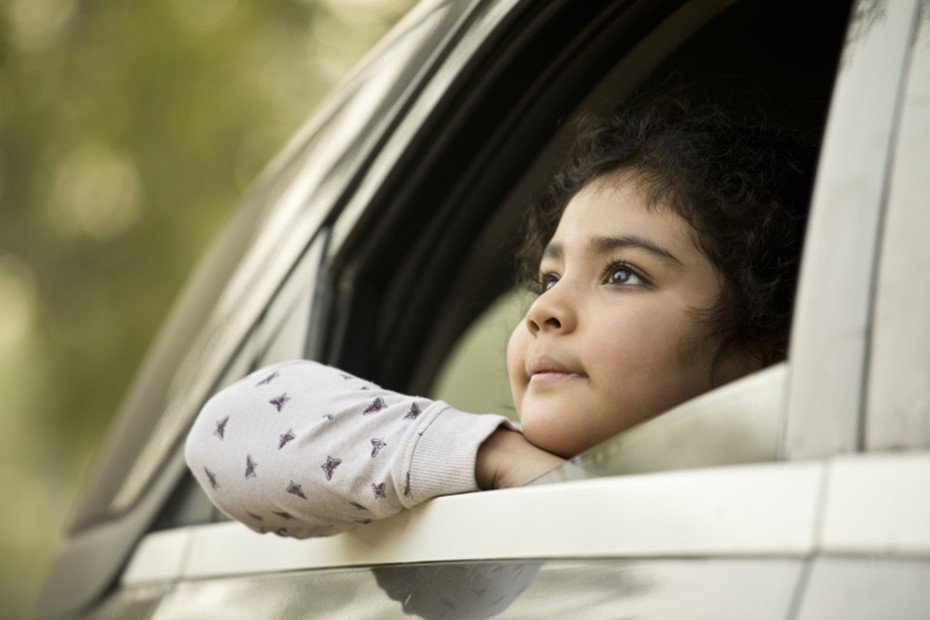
(665, 257)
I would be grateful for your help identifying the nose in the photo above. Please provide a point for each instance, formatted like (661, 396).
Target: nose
(552, 311)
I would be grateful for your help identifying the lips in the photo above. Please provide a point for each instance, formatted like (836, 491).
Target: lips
(544, 367)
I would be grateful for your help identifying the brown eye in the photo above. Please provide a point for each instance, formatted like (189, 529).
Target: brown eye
(621, 274)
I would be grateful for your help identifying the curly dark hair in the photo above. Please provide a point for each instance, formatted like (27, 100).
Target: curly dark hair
(742, 184)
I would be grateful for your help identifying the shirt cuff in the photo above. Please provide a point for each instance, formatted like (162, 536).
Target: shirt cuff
(443, 460)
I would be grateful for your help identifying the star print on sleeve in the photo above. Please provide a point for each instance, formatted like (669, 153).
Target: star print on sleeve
(212, 478)
(381, 437)
(250, 466)
(279, 401)
(376, 445)
(330, 466)
(413, 412)
(268, 379)
(376, 406)
(221, 428)
(295, 489)
(286, 437)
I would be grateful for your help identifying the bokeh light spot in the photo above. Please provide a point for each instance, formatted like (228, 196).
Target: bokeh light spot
(17, 292)
(37, 25)
(97, 193)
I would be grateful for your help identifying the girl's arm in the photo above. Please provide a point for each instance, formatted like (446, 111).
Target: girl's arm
(301, 449)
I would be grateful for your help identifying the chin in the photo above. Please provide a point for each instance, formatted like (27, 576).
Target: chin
(555, 438)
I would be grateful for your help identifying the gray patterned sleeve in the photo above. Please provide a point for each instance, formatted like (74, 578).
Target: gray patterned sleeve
(302, 449)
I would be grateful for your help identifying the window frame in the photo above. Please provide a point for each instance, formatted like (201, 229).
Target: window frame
(898, 398)
(832, 321)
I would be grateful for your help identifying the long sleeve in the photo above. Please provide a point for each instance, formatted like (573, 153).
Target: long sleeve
(302, 449)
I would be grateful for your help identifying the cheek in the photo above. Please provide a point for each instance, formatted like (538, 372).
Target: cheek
(648, 330)
(654, 361)
(648, 362)
(516, 364)
(635, 338)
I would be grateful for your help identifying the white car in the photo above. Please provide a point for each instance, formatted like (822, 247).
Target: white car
(377, 242)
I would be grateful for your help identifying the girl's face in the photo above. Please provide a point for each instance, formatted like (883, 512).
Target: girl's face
(613, 338)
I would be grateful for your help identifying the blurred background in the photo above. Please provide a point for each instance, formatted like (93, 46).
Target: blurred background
(128, 131)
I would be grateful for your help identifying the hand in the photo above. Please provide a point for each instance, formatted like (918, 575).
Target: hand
(507, 459)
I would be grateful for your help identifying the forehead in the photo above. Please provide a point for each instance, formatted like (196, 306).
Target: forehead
(615, 205)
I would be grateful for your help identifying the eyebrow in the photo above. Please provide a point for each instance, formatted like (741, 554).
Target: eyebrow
(604, 245)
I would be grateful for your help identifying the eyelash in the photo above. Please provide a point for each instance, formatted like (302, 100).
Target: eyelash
(549, 277)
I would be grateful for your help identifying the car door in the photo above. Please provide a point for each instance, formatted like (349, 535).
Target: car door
(410, 261)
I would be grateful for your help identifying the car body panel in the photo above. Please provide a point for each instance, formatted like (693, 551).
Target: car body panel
(867, 505)
(850, 588)
(722, 511)
(877, 505)
(712, 589)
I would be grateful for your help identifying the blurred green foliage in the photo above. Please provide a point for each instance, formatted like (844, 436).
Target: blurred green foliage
(127, 132)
